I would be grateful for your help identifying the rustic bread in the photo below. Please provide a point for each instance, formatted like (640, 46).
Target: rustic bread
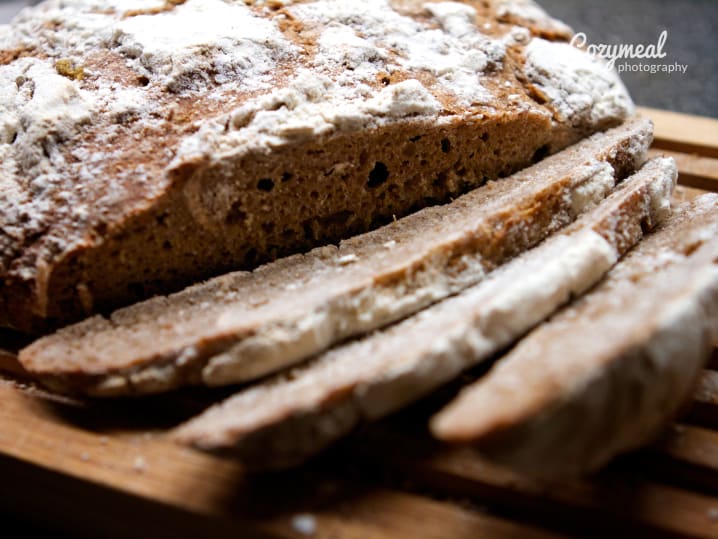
(147, 145)
(609, 372)
(241, 326)
(294, 415)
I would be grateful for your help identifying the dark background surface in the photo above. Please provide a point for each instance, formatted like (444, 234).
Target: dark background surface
(692, 27)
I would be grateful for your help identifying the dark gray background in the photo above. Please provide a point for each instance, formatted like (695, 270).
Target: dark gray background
(692, 27)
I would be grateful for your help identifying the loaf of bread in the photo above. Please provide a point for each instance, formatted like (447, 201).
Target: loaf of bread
(288, 418)
(147, 145)
(242, 326)
(608, 373)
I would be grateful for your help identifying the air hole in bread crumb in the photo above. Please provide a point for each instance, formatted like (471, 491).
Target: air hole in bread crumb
(646, 226)
(286, 176)
(142, 80)
(265, 184)
(167, 245)
(415, 139)
(378, 175)
(484, 137)
(235, 215)
(445, 145)
(101, 229)
(541, 153)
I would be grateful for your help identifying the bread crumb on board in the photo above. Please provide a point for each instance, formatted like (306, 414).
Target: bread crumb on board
(304, 524)
(140, 464)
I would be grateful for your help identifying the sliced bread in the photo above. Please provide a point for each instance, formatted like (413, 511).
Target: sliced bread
(607, 373)
(244, 325)
(292, 416)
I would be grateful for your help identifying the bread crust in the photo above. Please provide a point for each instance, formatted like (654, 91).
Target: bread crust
(144, 150)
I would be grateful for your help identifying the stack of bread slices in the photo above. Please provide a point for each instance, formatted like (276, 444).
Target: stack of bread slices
(428, 185)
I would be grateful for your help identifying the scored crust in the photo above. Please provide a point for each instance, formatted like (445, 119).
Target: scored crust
(292, 416)
(609, 372)
(147, 145)
(244, 325)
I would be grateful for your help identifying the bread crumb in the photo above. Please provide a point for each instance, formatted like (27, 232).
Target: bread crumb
(348, 259)
(305, 524)
(104, 440)
(140, 464)
(257, 302)
(84, 456)
(390, 244)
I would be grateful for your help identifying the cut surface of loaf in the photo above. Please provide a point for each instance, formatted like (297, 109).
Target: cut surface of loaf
(241, 326)
(145, 146)
(609, 372)
(294, 415)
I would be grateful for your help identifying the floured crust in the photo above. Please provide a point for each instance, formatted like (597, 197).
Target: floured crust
(607, 373)
(242, 326)
(146, 145)
(287, 419)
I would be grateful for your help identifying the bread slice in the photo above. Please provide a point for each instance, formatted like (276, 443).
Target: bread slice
(607, 373)
(292, 416)
(146, 146)
(242, 326)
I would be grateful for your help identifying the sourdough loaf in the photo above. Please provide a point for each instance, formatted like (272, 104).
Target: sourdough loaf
(288, 418)
(241, 326)
(609, 372)
(145, 145)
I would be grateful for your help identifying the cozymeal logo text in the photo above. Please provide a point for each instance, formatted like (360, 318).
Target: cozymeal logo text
(612, 53)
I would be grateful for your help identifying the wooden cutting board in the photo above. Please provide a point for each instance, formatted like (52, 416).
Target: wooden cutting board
(106, 469)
